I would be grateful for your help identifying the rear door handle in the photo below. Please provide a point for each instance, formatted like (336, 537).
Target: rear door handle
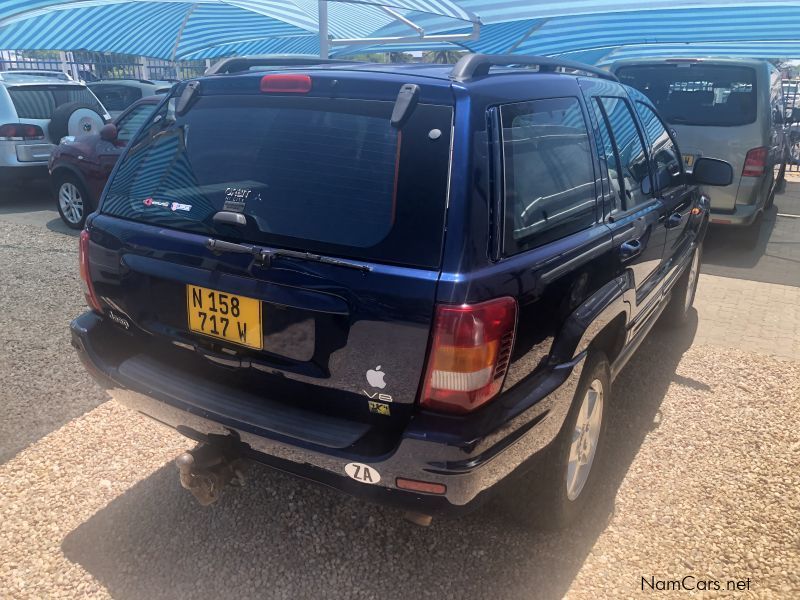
(629, 249)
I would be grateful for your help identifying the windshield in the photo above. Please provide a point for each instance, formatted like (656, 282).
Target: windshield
(697, 93)
(329, 176)
(40, 101)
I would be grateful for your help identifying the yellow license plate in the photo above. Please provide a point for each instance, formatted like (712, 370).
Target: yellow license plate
(228, 317)
(688, 160)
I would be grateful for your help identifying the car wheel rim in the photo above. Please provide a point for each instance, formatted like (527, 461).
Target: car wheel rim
(694, 271)
(71, 202)
(584, 439)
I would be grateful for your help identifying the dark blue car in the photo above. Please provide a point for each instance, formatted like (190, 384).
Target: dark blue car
(406, 282)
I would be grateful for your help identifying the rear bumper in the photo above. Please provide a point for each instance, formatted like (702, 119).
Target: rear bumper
(746, 197)
(461, 453)
(741, 216)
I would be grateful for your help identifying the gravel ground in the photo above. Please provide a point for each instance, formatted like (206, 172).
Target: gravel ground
(702, 470)
(42, 383)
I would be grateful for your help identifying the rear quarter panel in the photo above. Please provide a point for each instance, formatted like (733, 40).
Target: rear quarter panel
(549, 282)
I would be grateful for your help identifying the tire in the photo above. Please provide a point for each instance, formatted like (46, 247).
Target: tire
(74, 118)
(780, 183)
(679, 308)
(561, 490)
(72, 199)
(752, 232)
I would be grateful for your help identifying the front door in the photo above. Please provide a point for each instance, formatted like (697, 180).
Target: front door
(670, 182)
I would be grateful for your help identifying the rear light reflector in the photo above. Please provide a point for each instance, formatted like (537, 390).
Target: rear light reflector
(286, 84)
(470, 351)
(88, 287)
(18, 132)
(755, 163)
(425, 487)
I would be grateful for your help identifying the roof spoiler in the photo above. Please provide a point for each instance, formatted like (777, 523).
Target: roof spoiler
(478, 65)
(237, 64)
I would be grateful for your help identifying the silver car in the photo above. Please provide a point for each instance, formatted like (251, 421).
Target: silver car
(728, 108)
(36, 112)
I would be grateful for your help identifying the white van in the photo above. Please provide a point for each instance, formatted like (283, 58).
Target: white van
(728, 108)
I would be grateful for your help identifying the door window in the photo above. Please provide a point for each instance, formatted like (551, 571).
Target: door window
(131, 122)
(667, 161)
(117, 97)
(628, 171)
(549, 176)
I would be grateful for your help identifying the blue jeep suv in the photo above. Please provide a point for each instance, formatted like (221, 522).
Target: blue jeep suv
(406, 282)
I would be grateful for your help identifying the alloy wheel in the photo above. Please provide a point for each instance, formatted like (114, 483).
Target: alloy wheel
(71, 202)
(584, 439)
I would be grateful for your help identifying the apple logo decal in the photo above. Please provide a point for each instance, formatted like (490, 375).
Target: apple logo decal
(375, 377)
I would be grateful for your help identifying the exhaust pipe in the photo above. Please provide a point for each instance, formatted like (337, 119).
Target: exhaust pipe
(207, 469)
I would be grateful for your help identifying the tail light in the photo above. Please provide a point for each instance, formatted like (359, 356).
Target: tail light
(88, 287)
(469, 355)
(755, 163)
(18, 132)
(286, 83)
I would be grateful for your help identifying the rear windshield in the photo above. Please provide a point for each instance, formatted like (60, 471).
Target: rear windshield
(696, 93)
(329, 176)
(39, 102)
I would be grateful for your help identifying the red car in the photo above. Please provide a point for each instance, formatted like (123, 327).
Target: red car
(79, 167)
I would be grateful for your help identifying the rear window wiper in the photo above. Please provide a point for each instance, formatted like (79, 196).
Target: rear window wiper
(265, 257)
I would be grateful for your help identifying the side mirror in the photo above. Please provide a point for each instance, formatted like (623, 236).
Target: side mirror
(711, 171)
(109, 133)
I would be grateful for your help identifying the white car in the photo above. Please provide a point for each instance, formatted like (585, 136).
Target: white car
(36, 112)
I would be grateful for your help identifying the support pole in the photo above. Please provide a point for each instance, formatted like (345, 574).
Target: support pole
(324, 45)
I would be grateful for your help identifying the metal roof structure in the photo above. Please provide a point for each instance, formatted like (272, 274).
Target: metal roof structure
(593, 31)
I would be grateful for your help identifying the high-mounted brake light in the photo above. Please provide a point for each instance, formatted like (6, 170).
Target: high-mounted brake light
(18, 132)
(286, 83)
(755, 163)
(88, 287)
(469, 356)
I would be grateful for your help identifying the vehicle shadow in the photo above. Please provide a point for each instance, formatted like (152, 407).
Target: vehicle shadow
(280, 537)
(726, 246)
(34, 195)
(58, 226)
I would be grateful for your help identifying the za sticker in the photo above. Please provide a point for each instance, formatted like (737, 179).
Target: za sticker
(361, 472)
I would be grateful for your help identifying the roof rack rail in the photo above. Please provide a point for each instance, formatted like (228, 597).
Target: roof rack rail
(477, 65)
(238, 64)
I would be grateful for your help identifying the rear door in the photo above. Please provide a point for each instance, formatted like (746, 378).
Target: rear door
(635, 214)
(347, 215)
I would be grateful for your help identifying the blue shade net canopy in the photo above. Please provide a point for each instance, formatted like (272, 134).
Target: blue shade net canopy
(592, 31)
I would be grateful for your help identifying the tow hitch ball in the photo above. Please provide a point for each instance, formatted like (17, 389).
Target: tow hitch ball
(206, 469)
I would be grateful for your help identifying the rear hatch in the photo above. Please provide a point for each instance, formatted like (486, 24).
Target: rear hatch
(35, 104)
(328, 283)
(712, 107)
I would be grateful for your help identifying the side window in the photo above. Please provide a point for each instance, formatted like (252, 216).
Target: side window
(628, 172)
(667, 159)
(116, 97)
(548, 172)
(130, 124)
